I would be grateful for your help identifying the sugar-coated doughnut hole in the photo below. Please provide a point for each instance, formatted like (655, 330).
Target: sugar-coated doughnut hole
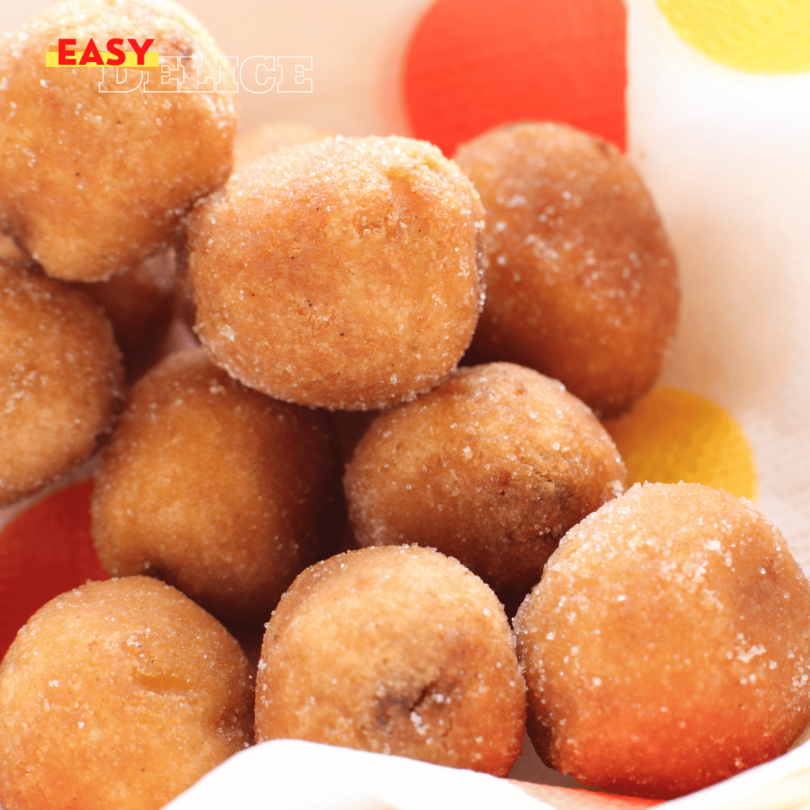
(217, 489)
(342, 273)
(397, 650)
(92, 182)
(667, 646)
(119, 694)
(61, 379)
(581, 283)
(491, 467)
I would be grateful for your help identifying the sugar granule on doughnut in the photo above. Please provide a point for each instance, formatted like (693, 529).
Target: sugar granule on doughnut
(217, 489)
(581, 284)
(61, 379)
(119, 694)
(341, 274)
(667, 646)
(394, 650)
(270, 138)
(491, 467)
(250, 146)
(90, 181)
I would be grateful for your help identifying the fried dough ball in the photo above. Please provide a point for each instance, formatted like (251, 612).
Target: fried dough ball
(119, 694)
(219, 490)
(60, 379)
(340, 274)
(667, 646)
(93, 181)
(492, 467)
(582, 283)
(398, 651)
(140, 305)
(270, 138)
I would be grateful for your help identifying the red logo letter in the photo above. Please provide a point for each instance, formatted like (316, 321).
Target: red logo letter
(115, 50)
(66, 56)
(91, 54)
(141, 51)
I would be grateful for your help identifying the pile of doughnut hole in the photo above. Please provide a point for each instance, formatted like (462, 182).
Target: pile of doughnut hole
(382, 470)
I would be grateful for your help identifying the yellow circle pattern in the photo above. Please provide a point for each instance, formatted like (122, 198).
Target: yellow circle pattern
(755, 36)
(672, 435)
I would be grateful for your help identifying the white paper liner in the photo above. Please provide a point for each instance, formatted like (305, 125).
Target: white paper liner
(297, 775)
(725, 155)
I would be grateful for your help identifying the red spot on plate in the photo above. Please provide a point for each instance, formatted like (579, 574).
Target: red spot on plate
(46, 550)
(471, 65)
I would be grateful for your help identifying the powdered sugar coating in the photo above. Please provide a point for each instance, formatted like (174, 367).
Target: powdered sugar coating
(93, 182)
(61, 379)
(667, 646)
(492, 467)
(341, 274)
